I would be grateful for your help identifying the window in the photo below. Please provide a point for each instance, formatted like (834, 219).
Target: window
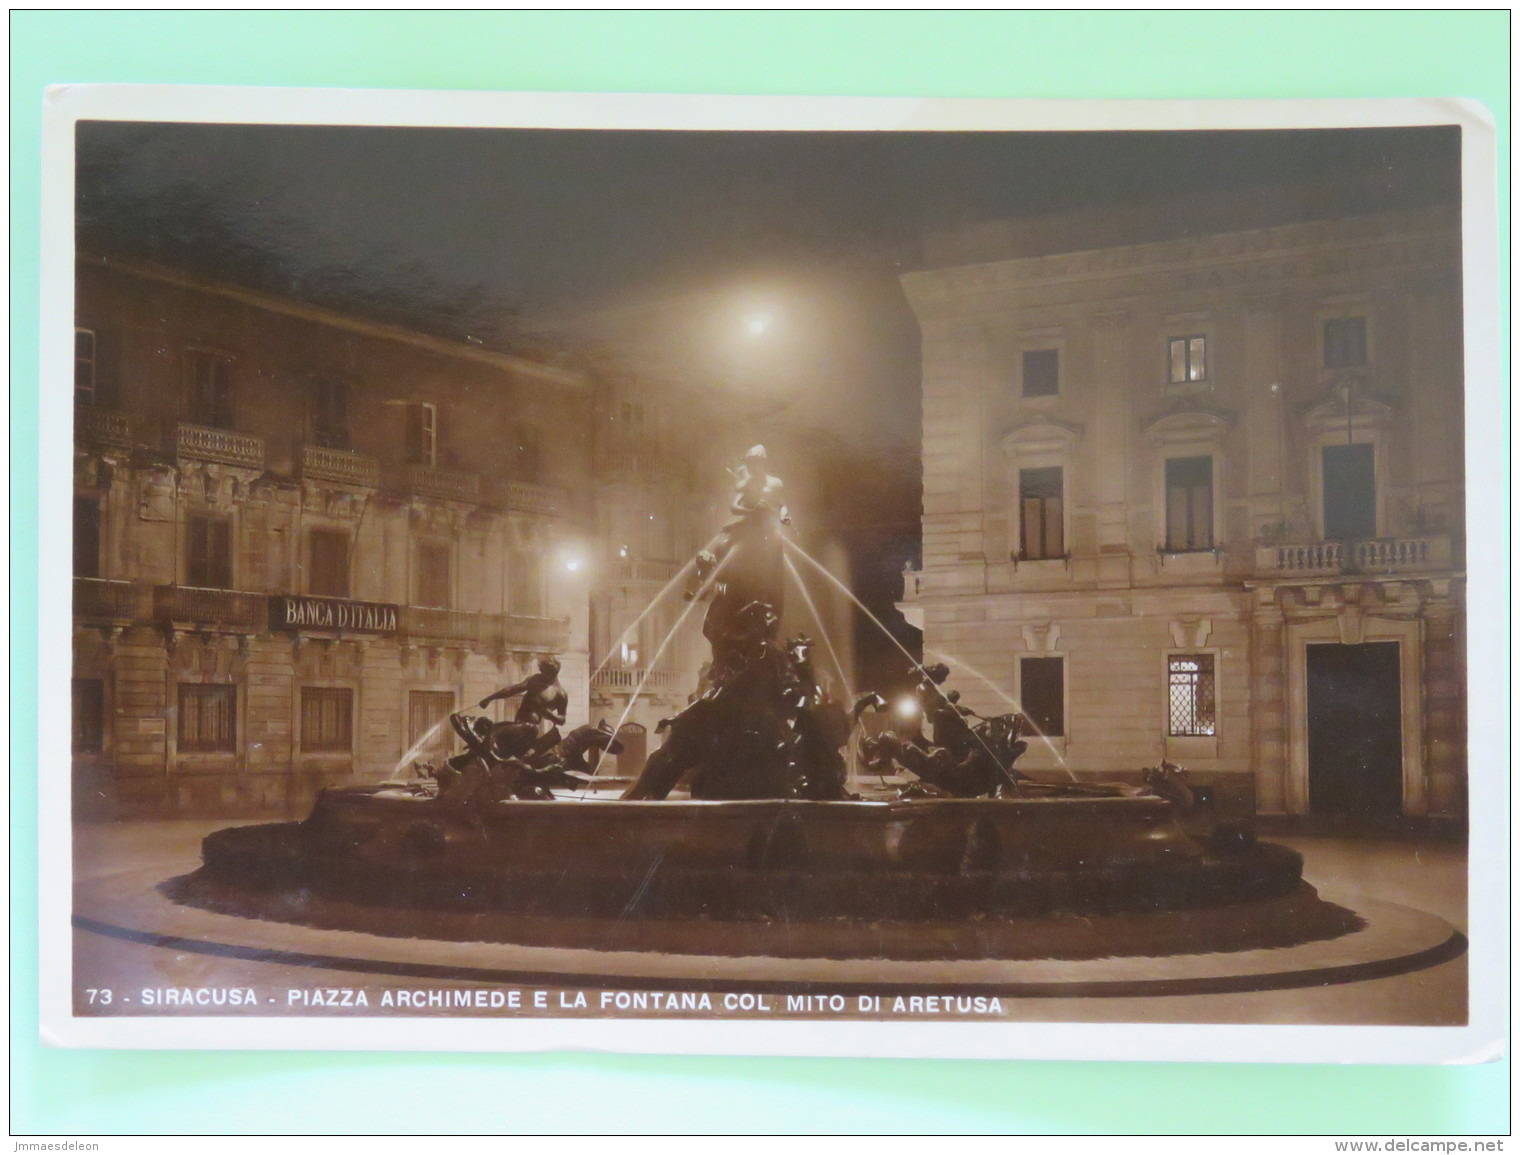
(523, 455)
(210, 389)
(327, 574)
(89, 715)
(84, 367)
(524, 584)
(327, 719)
(1345, 342)
(1040, 527)
(427, 729)
(433, 578)
(1187, 359)
(1349, 477)
(422, 433)
(329, 404)
(207, 719)
(1190, 695)
(86, 536)
(1042, 694)
(208, 553)
(1189, 504)
(1042, 372)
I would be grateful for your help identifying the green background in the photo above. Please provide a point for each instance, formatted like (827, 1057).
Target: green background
(968, 54)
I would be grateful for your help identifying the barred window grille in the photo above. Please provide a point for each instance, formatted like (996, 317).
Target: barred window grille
(1191, 695)
(207, 718)
(327, 719)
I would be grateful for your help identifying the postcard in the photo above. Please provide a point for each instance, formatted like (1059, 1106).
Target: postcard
(776, 576)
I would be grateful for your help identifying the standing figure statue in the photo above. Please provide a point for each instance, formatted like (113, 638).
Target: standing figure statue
(544, 702)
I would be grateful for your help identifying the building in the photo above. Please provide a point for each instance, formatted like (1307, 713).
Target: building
(1201, 499)
(301, 539)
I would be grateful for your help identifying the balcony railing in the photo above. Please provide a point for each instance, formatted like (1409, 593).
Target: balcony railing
(487, 631)
(653, 572)
(530, 498)
(1379, 555)
(101, 600)
(430, 481)
(641, 463)
(103, 427)
(340, 465)
(228, 610)
(629, 679)
(202, 443)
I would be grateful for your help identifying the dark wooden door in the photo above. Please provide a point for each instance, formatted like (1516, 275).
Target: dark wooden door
(1355, 743)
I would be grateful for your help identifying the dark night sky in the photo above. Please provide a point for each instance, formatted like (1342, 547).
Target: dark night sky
(674, 239)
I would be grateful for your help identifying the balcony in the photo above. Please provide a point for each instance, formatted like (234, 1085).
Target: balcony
(628, 570)
(340, 465)
(116, 602)
(227, 611)
(632, 463)
(483, 631)
(202, 443)
(628, 680)
(1376, 556)
(530, 498)
(430, 481)
(103, 427)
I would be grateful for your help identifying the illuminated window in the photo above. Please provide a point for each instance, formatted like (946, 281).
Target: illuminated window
(1190, 695)
(1189, 504)
(1041, 534)
(207, 719)
(1187, 359)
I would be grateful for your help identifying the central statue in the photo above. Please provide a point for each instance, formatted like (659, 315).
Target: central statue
(763, 726)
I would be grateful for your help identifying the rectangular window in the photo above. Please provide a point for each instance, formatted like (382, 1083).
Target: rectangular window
(523, 455)
(427, 727)
(330, 414)
(434, 586)
(1190, 695)
(422, 433)
(327, 575)
(524, 584)
(1042, 372)
(86, 536)
(89, 728)
(207, 719)
(1350, 483)
(1345, 342)
(327, 719)
(84, 367)
(1040, 527)
(208, 553)
(210, 389)
(1187, 359)
(1042, 694)
(1189, 504)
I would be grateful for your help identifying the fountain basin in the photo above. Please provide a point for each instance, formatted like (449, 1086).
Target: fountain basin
(920, 860)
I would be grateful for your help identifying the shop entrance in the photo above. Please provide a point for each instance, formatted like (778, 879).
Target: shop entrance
(1356, 764)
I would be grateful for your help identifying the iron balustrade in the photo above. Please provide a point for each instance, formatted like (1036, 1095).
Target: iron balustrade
(203, 443)
(101, 599)
(654, 572)
(228, 610)
(430, 481)
(485, 631)
(103, 427)
(340, 465)
(530, 498)
(631, 679)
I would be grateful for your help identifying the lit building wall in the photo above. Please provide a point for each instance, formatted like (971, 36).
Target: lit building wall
(1181, 470)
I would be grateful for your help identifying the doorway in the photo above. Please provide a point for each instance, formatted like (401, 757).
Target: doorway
(1356, 753)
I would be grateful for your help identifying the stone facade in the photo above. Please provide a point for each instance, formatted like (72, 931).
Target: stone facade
(1126, 455)
(300, 537)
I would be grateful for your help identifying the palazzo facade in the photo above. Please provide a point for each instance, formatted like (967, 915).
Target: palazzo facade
(1202, 500)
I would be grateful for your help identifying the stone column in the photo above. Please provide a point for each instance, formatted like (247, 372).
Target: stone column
(1268, 706)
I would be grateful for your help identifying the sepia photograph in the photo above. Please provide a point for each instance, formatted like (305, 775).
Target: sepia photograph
(619, 567)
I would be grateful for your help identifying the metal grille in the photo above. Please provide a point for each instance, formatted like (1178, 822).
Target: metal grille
(1191, 695)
